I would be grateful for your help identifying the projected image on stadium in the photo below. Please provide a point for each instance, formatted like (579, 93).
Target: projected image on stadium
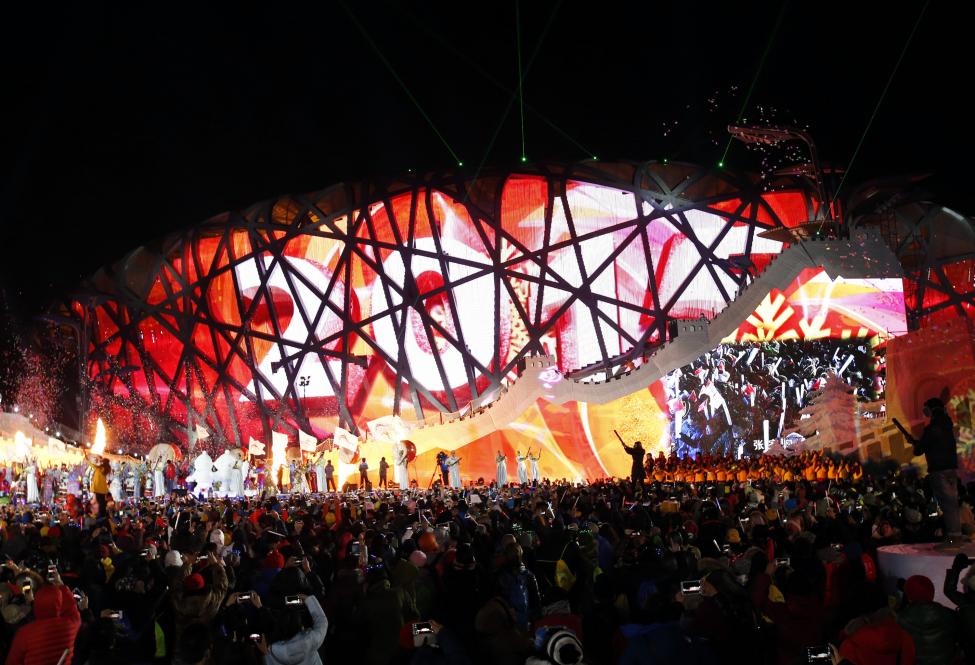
(423, 299)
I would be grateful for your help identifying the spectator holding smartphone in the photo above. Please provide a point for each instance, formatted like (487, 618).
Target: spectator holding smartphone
(290, 643)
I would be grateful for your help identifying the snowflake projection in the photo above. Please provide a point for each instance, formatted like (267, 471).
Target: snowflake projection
(416, 296)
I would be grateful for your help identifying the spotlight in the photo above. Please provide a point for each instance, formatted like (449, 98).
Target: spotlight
(16, 409)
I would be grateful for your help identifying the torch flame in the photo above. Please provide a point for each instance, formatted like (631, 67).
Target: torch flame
(99, 446)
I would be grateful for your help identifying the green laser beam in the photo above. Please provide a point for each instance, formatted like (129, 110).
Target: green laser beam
(758, 73)
(490, 78)
(521, 78)
(511, 99)
(389, 66)
(880, 101)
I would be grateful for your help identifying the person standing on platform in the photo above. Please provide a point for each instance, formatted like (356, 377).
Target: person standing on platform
(401, 457)
(329, 477)
(502, 474)
(320, 474)
(533, 473)
(938, 445)
(115, 486)
(33, 492)
(444, 468)
(169, 474)
(522, 468)
(383, 469)
(158, 480)
(453, 462)
(637, 453)
(99, 484)
(363, 474)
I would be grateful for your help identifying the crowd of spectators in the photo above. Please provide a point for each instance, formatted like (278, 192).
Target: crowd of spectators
(774, 569)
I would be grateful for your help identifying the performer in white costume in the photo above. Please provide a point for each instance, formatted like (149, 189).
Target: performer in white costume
(502, 474)
(320, 472)
(202, 473)
(237, 478)
(222, 475)
(33, 492)
(533, 465)
(400, 457)
(138, 473)
(522, 469)
(454, 463)
(115, 487)
(158, 480)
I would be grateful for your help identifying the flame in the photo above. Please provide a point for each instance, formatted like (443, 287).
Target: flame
(22, 444)
(99, 446)
(279, 448)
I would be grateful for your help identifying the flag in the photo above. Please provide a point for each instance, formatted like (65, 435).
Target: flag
(306, 442)
(346, 440)
(202, 433)
(55, 444)
(389, 428)
(255, 447)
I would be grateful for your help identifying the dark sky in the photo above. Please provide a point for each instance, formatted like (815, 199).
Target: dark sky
(121, 123)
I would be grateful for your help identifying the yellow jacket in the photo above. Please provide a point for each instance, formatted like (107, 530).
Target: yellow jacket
(99, 483)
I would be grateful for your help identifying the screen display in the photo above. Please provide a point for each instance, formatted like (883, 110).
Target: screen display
(290, 317)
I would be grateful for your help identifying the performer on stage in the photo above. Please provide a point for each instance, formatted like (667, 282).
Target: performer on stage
(637, 453)
(115, 487)
(533, 465)
(363, 474)
(158, 481)
(444, 468)
(383, 468)
(49, 484)
(320, 473)
(329, 477)
(33, 492)
(522, 469)
(453, 462)
(502, 474)
(237, 478)
(99, 484)
(169, 475)
(400, 459)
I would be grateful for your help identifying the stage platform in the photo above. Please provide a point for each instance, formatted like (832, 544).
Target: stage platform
(902, 561)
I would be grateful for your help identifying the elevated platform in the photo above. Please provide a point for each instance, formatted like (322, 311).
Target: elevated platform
(865, 256)
(902, 561)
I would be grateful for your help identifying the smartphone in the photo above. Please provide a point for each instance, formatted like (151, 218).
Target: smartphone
(144, 554)
(420, 627)
(354, 548)
(300, 560)
(690, 586)
(254, 637)
(292, 600)
(243, 597)
(116, 615)
(820, 654)
(782, 561)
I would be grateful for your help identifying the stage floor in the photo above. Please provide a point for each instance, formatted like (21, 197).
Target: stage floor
(902, 561)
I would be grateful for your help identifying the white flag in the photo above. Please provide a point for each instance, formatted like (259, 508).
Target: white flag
(201, 433)
(255, 447)
(389, 428)
(346, 440)
(307, 442)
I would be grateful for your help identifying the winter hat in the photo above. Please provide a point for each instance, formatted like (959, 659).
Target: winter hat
(418, 558)
(274, 559)
(918, 589)
(562, 647)
(193, 583)
(173, 558)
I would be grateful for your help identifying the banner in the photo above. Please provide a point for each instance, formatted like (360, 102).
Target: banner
(346, 440)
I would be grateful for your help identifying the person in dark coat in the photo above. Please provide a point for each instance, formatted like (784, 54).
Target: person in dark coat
(636, 451)
(933, 626)
(938, 445)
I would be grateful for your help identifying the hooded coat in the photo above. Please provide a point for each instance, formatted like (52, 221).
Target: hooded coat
(51, 633)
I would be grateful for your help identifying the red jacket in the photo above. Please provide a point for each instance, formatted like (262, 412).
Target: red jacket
(56, 622)
(881, 642)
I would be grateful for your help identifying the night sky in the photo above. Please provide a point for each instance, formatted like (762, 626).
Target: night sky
(122, 123)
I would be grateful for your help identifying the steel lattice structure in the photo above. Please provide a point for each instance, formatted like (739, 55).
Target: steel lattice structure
(417, 295)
